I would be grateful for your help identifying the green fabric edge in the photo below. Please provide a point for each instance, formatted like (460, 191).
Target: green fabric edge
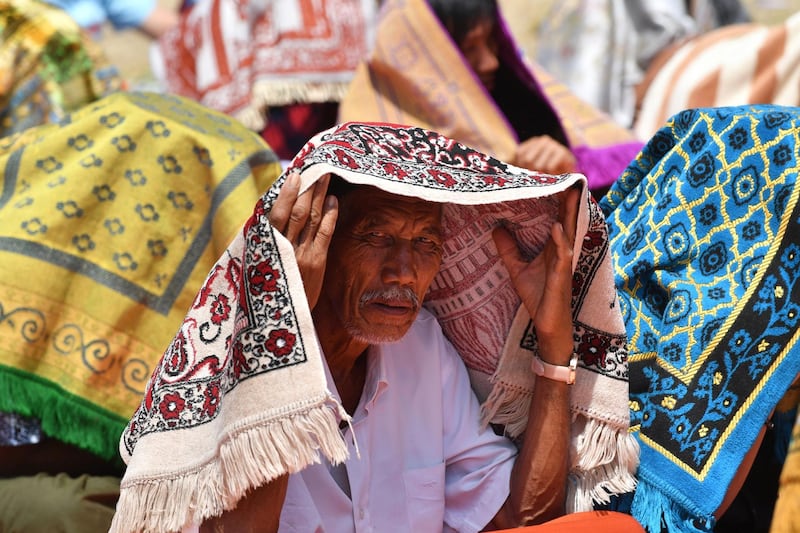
(63, 415)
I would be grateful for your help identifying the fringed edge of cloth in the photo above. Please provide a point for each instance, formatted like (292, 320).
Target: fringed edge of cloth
(656, 511)
(62, 415)
(276, 92)
(249, 458)
(266, 94)
(604, 457)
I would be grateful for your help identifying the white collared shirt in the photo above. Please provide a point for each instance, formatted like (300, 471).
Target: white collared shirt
(425, 463)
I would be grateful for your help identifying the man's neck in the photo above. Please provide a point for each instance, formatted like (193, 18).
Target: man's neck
(346, 356)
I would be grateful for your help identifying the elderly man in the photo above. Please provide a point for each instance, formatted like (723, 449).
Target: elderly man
(422, 459)
(365, 278)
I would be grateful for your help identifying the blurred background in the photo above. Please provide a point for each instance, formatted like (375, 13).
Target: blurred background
(128, 48)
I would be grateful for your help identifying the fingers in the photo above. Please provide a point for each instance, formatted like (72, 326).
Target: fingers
(327, 223)
(508, 250)
(310, 216)
(545, 154)
(568, 213)
(298, 216)
(282, 207)
(562, 263)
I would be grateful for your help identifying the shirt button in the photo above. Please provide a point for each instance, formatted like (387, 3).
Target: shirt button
(361, 513)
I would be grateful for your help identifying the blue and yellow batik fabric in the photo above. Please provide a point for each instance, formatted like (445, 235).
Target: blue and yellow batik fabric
(109, 223)
(704, 228)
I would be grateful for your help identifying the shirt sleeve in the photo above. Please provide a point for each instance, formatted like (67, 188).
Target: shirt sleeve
(478, 462)
(128, 13)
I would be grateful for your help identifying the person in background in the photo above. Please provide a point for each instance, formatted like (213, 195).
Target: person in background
(703, 239)
(467, 78)
(602, 49)
(146, 16)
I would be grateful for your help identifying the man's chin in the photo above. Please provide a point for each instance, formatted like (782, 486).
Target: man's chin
(378, 333)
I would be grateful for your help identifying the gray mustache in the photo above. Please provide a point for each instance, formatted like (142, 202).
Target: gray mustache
(392, 294)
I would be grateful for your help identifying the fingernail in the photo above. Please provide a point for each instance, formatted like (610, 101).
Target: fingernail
(293, 179)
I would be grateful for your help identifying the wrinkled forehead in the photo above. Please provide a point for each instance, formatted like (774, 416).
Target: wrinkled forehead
(368, 202)
(461, 225)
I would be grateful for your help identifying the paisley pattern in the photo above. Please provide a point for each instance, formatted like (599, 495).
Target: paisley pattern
(703, 227)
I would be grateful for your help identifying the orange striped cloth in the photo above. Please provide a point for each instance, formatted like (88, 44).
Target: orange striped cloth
(735, 65)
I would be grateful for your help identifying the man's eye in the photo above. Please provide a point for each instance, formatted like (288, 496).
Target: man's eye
(377, 236)
(428, 243)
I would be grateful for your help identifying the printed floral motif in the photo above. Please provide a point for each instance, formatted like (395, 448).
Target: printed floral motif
(250, 296)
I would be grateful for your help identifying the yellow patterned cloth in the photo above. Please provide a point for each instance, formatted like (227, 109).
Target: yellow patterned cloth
(109, 223)
(48, 66)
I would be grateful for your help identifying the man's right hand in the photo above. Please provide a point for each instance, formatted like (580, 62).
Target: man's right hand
(307, 220)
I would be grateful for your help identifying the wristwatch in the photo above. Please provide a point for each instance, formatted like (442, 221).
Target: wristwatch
(556, 372)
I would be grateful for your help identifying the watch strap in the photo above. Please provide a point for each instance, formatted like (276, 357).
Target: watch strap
(555, 372)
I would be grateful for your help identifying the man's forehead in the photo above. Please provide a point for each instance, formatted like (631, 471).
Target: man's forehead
(369, 201)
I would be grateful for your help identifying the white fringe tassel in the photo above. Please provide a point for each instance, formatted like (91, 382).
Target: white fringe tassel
(276, 93)
(605, 458)
(245, 461)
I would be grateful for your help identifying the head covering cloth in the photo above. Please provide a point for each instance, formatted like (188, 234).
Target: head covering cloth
(240, 395)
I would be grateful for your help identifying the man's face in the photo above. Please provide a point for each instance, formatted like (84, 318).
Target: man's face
(384, 255)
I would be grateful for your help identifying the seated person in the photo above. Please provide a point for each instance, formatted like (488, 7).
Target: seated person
(467, 79)
(389, 261)
(698, 72)
(601, 48)
(109, 222)
(703, 239)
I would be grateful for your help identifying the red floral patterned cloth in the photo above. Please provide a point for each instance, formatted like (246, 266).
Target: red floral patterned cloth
(240, 395)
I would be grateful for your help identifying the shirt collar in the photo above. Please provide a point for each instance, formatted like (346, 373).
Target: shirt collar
(376, 381)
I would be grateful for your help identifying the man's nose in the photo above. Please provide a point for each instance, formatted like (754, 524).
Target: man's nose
(399, 265)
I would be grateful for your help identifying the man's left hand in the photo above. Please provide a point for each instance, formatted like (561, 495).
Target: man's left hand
(545, 283)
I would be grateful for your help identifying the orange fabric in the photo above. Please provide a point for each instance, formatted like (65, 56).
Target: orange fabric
(589, 522)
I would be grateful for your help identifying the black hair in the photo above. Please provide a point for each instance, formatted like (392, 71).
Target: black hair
(461, 16)
(339, 187)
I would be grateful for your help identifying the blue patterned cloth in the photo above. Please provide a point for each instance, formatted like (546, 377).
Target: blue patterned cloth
(703, 228)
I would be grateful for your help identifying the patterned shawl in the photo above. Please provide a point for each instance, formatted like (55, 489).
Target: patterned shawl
(700, 73)
(48, 66)
(417, 75)
(703, 229)
(109, 221)
(240, 395)
(240, 56)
